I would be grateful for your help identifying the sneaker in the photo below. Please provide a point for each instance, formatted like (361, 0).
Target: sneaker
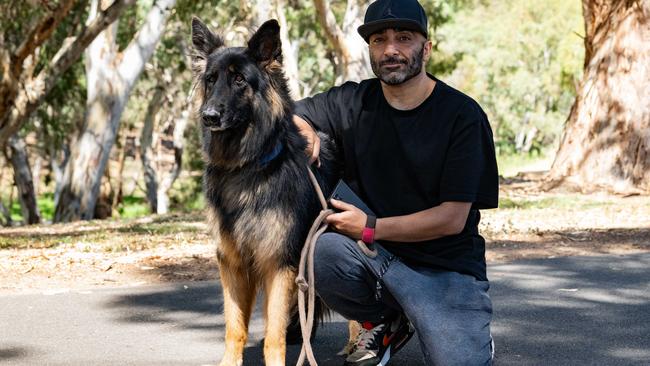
(377, 343)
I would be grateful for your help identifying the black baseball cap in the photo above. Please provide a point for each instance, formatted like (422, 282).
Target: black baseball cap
(404, 14)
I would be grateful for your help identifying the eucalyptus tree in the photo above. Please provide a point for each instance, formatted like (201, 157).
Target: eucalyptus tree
(606, 140)
(111, 75)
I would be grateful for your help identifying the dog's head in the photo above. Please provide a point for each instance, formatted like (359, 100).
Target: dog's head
(239, 87)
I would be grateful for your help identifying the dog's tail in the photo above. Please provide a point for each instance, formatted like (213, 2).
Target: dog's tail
(321, 313)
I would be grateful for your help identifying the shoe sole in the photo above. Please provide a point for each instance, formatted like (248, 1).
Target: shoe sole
(384, 360)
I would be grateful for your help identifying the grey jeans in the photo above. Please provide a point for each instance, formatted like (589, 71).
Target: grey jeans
(451, 312)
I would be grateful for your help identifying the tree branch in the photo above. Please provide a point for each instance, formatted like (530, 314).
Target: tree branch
(144, 42)
(39, 33)
(31, 95)
(332, 30)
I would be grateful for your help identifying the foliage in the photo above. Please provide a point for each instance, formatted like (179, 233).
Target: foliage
(133, 206)
(521, 61)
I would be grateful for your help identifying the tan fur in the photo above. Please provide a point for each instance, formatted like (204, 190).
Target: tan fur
(279, 288)
(239, 290)
(353, 329)
(277, 106)
(243, 268)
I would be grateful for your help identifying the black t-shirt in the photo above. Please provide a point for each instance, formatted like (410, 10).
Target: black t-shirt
(401, 162)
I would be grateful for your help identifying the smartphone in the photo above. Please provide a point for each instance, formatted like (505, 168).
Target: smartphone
(343, 192)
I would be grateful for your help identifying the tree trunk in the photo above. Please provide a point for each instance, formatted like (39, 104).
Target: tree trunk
(36, 174)
(350, 50)
(161, 151)
(111, 77)
(170, 170)
(118, 195)
(146, 151)
(606, 141)
(24, 181)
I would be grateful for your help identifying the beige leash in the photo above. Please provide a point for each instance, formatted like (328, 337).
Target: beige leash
(305, 280)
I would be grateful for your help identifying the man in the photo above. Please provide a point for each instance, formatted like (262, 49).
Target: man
(421, 155)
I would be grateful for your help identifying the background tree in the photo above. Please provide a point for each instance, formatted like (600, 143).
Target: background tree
(350, 53)
(606, 141)
(521, 62)
(111, 76)
(25, 81)
(23, 179)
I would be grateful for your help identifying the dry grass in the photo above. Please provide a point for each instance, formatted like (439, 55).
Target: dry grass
(529, 224)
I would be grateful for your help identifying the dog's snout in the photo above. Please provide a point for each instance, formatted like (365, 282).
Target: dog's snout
(211, 113)
(211, 117)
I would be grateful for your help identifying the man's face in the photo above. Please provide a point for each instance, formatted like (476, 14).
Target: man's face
(397, 55)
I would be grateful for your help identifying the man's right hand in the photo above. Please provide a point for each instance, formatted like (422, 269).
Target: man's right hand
(313, 141)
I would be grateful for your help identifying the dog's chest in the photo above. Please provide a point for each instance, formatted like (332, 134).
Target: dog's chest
(252, 217)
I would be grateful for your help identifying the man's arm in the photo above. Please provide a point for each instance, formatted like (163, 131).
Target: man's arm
(313, 141)
(446, 219)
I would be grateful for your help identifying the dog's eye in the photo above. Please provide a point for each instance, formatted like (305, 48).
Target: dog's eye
(239, 78)
(211, 79)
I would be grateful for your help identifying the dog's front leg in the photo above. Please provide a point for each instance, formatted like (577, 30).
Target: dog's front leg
(279, 288)
(238, 300)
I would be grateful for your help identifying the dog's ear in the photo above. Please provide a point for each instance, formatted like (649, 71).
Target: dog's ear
(265, 45)
(204, 41)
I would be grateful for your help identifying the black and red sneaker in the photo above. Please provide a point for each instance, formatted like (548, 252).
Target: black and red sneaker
(377, 343)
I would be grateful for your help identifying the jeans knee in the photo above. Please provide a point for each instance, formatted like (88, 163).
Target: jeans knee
(334, 260)
(330, 247)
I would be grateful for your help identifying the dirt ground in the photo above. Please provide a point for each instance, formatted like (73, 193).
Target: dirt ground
(530, 223)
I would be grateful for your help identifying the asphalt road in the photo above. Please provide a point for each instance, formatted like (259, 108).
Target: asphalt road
(564, 311)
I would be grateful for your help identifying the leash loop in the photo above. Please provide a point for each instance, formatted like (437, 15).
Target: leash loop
(305, 278)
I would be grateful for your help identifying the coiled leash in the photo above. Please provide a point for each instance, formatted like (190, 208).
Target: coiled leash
(305, 279)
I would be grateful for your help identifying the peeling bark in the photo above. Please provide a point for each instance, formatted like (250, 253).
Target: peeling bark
(606, 141)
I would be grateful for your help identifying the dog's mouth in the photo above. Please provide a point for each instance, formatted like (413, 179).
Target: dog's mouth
(217, 128)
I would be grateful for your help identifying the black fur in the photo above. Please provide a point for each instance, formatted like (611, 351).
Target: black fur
(248, 131)
(246, 112)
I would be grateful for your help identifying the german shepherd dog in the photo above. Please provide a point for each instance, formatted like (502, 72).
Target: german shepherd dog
(258, 191)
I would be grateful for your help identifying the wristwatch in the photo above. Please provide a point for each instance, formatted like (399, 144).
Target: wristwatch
(368, 233)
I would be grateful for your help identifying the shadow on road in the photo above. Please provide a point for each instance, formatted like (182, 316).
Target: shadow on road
(563, 311)
(179, 306)
(13, 352)
(572, 311)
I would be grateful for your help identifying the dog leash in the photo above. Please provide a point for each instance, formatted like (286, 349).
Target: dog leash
(305, 278)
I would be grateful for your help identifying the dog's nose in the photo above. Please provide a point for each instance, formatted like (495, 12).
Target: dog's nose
(211, 117)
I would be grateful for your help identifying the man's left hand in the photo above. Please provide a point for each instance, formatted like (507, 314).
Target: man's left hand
(349, 222)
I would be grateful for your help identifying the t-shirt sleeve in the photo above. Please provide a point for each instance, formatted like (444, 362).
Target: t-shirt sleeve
(470, 171)
(328, 111)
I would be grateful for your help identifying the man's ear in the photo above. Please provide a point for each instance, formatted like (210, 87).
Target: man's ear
(265, 45)
(204, 41)
(428, 46)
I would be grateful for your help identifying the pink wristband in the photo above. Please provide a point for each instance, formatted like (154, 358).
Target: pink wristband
(368, 235)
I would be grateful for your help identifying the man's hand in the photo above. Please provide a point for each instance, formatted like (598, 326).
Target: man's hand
(313, 141)
(349, 222)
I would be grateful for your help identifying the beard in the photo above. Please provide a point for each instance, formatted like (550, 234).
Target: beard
(390, 77)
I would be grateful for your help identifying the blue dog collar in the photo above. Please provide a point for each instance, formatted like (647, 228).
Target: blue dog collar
(274, 154)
